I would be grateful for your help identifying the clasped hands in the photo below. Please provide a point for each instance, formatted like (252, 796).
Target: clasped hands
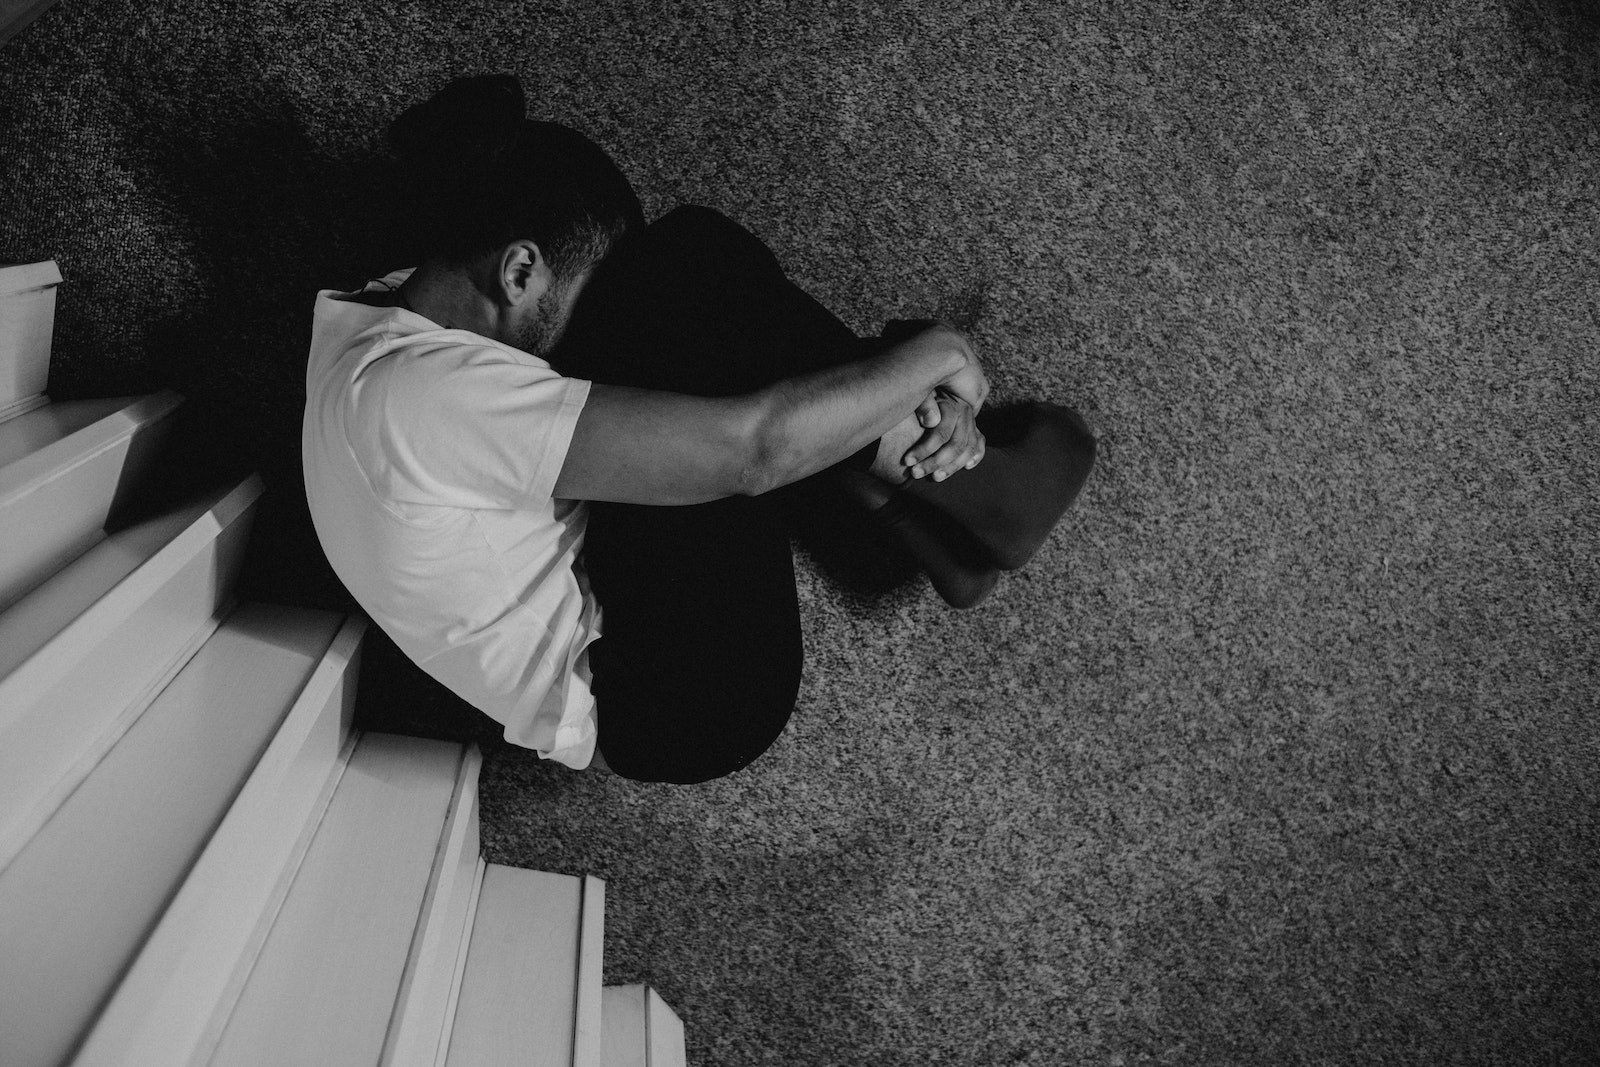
(951, 440)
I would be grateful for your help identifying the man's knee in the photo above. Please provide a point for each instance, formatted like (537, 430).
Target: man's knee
(682, 755)
(705, 240)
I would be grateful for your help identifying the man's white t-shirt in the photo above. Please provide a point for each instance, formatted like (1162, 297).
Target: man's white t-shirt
(431, 458)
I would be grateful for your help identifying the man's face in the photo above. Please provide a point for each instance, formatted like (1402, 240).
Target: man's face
(540, 333)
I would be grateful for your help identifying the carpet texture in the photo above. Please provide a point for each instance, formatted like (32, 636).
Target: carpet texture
(1284, 750)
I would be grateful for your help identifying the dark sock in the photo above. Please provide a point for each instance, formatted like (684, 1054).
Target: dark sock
(1036, 461)
(955, 565)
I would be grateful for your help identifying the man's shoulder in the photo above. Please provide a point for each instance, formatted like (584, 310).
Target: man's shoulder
(374, 340)
(372, 298)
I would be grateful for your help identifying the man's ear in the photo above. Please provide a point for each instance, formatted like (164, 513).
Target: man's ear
(522, 273)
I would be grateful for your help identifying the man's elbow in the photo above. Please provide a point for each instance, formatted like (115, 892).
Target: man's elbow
(765, 459)
(752, 480)
(760, 471)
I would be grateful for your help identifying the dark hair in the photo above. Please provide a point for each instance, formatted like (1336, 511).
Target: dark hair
(480, 174)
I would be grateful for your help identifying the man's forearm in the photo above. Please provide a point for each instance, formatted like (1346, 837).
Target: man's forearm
(813, 421)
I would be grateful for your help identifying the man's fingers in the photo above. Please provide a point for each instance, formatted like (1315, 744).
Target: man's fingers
(963, 452)
(956, 444)
(947, 461)
(983, 447)
(921, 454)
(930, 442)
(928, 412)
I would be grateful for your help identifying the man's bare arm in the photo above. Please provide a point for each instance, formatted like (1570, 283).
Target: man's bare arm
(647, 447)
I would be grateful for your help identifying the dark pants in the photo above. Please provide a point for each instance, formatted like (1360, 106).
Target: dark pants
(699, 666)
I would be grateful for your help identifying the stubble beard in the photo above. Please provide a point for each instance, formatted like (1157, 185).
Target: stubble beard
(539, 337)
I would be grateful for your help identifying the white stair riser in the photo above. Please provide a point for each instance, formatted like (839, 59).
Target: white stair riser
(43, 635)
(27, 319)
(588, 1022)
(66, 496)
(470, 914)
(31, 448)
(171, 998)
(640, 1029)
(78, 900)
(531, 988)
(626, 1039)
(323, 988)
(65, 708)
(419, 1019)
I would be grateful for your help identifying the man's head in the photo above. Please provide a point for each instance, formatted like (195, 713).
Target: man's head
(509, 201)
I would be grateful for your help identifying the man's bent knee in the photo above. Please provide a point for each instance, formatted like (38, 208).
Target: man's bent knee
(688, 730)
(707, 238)
(688, 757)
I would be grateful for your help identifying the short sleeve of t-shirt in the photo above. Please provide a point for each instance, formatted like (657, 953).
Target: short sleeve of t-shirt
(478, 426)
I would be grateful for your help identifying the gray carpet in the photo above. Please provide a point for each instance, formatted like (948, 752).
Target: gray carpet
(1285, 748)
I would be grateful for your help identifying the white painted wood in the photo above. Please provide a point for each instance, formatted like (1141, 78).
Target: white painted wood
(77, 902)
(63, 470)
(425, 990)
(526, 992)
(588, 1022)
(133, 608)
(46, 427)
(40, 635)
(45, 530)
(164, 1007)
(20, 407)
(626, 1038)
(667, 1045)
(443, 1051)
(25, 277)
(27, 319)
(323, 989)
(641, 1030)
(234, 988)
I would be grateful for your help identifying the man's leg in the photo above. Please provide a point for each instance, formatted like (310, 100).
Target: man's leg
(699, 666)
(701, 662)
(697, 303)
(1037, 460)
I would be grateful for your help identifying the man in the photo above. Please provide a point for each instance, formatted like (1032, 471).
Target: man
(557, 461)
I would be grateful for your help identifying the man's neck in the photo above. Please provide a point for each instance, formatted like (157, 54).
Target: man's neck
(447, 296)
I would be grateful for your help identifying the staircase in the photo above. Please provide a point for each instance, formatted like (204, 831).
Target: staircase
(201, 861)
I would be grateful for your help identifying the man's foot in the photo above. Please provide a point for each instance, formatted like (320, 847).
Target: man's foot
(1037, 459)
(995, 517)
(953, 563)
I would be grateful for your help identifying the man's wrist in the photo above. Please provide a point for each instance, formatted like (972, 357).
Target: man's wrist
(950, 348)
